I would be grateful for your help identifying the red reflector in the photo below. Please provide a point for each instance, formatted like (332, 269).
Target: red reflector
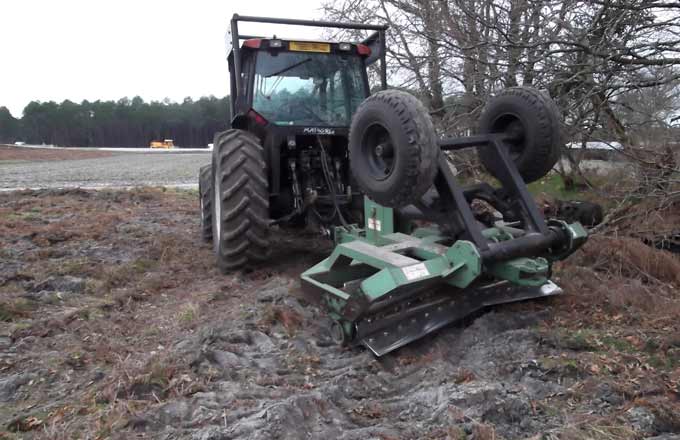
(253, 44)
(362, 49)
(259, 119)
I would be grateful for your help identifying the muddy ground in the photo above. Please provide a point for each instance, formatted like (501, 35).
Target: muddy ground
(9, 153)
(115, 324)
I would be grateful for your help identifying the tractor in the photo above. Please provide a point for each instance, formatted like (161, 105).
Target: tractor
(311, 146)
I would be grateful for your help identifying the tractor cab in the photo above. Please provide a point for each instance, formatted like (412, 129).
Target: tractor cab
(307, 84)
(303, 87)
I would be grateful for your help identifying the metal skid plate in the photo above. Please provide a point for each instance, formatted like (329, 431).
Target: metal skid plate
(384, 334)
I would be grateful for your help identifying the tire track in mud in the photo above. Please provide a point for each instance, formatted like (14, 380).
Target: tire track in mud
(271, 382)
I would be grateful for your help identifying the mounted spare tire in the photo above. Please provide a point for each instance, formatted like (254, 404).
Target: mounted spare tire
(205, 198)
(393, 148)
(532, 120)
(241, 201)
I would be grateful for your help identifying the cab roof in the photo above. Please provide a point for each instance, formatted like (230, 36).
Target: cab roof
(302, 45)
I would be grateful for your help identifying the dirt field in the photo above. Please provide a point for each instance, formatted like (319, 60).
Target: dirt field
(14, 154)
(30, 168)
(115, 324)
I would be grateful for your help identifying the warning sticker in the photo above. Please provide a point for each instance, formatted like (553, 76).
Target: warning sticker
(416, 271)
(374, 224)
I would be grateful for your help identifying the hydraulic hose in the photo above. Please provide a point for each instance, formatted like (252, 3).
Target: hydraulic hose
(329, 182)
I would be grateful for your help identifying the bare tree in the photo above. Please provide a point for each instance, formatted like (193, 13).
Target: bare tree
(613, 66)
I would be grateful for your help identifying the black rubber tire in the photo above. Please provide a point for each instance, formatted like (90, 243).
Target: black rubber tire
(402, 125)
(205, 198)
(538, 148)
(241, 202)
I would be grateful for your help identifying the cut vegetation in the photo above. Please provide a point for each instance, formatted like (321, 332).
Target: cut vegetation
(114, 323)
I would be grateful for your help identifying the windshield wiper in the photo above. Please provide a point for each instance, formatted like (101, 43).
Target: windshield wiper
(286, 69)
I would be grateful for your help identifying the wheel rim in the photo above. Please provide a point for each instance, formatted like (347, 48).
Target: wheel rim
(377, 150)
(511, 125)
(218, 212)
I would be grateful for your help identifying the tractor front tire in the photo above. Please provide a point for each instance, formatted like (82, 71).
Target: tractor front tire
(241, 201)
(393, 148)
(534, 119)
(205, 197)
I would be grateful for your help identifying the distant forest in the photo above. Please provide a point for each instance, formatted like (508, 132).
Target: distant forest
(124, 123)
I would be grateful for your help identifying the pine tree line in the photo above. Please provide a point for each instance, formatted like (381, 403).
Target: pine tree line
(123, 123)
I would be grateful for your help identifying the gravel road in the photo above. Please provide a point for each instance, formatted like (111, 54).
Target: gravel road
(121, 170)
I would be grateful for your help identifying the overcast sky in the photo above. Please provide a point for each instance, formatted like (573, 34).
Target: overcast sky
(88, 49)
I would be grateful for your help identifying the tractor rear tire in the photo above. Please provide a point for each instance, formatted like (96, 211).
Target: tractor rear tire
(393, 148)
(535, 119)
(205, 196)
(241, 201)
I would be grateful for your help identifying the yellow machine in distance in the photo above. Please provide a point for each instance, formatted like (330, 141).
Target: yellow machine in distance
(167, 144)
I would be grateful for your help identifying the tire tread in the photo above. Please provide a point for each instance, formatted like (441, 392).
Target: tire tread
(537, 162)
(421, 154)
(240, 166)
(206, 197)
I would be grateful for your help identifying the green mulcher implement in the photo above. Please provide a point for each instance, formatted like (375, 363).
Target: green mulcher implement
(310, 146)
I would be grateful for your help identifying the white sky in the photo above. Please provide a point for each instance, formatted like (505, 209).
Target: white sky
(52, 50)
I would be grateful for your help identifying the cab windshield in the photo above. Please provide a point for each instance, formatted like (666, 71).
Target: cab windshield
(303, 88)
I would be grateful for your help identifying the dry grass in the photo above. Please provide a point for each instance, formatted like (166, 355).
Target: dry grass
(14, 309)
(141, 261)
(153, 379)
(594, 431)
(189, 313)
(629, 258)
(615, 325)
(622, 276)
(483, 432)
(290, 319)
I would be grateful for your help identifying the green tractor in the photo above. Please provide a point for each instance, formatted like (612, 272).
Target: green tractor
(415, 249)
